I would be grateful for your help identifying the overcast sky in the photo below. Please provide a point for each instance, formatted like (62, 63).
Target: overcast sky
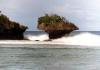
(84, 13)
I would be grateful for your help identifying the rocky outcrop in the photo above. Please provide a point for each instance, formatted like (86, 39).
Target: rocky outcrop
(55, 26)
(10, 29)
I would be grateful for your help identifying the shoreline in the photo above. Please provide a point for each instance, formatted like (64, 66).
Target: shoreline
(45, 46)
(48, 44)
(84, 41)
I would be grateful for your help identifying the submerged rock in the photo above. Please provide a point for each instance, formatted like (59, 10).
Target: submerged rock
(10, 29)
(37, 40)
(55, 26)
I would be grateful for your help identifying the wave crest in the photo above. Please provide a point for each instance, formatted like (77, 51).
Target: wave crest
(87, 39)
(38, 37)
(82, 39)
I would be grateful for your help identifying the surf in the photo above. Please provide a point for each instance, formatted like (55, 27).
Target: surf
(84, 39)
(81, 39)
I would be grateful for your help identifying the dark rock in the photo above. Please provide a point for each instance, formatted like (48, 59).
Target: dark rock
(36, 40)
(55, 26)
(48, 40)
(10, 29)
(58, 33)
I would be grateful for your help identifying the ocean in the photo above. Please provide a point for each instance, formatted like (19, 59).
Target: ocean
(78, 51)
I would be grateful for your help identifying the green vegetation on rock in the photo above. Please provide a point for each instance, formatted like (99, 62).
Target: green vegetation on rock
(10, 29)
(55, 25)
(55, 22)
(8, 25)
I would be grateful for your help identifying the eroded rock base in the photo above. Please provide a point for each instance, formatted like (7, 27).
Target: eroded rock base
(58, 33)
(4, 36)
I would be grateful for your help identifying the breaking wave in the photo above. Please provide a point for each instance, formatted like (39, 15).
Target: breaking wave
(38, 37)
(86, 39)
(82, 39)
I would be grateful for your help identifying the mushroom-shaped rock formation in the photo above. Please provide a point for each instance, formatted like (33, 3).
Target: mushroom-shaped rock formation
(55, 25)
(10, 29)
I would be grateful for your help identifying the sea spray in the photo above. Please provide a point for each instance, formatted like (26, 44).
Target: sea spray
(37, 37)
(85, 39)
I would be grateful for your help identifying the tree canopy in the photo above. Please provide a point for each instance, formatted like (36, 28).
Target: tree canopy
(6, 24)
(55, 22)
(54, 18)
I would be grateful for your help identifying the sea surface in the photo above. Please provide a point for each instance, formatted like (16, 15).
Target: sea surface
(78, 51)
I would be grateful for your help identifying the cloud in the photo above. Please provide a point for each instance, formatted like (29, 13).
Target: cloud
(81, 12)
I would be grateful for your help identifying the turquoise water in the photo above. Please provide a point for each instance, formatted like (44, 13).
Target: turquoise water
(49, 58)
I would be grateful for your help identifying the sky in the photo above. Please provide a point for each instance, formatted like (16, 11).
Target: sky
(83, 13)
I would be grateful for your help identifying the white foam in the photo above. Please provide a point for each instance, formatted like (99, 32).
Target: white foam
(85, 39)
(39, 37)
(82, 39)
